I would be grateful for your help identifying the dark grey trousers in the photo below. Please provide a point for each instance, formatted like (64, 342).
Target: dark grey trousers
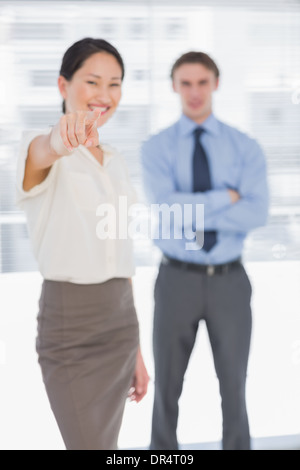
(182, 299)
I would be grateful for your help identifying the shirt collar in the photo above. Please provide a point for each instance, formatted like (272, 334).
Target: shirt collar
(108, 153)
(187, 125)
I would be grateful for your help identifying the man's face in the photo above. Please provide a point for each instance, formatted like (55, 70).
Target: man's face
(195, 84)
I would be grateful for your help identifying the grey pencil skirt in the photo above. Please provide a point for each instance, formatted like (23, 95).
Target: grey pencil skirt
(87, 344)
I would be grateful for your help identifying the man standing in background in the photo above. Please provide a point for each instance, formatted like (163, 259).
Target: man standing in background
(201, 160)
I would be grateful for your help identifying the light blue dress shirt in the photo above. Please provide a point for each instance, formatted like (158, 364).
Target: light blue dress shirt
(236, 162)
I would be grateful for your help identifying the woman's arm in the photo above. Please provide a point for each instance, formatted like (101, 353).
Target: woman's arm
(39, 161)
(141, 378)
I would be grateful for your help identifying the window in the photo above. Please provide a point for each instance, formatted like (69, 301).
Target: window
(107, 28)
(175, 29)
(138, 28)
(36, 31)
(44, 78)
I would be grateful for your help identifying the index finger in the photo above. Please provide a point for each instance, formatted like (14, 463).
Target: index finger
(92, 116)
(80, 128)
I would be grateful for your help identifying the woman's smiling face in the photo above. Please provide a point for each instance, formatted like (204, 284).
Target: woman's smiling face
(96, 85)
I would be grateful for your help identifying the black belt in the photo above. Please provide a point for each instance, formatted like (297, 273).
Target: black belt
(209, 269)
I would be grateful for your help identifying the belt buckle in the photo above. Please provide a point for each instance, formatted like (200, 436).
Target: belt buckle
(210, 270)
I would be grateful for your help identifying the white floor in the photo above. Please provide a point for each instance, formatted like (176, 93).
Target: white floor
(274, 372)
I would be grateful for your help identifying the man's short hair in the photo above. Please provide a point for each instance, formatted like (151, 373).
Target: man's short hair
(196, 58)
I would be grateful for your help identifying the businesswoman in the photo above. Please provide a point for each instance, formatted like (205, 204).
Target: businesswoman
(88, 335)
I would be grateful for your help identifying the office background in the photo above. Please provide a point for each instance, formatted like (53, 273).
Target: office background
(257, 46)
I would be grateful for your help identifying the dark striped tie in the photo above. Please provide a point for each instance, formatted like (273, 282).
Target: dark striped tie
(202, 182)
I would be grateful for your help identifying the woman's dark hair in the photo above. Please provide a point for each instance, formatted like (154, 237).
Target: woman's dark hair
(196, 58)
(80, 51)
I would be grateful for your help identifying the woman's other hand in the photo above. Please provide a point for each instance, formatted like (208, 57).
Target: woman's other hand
(140, 382)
